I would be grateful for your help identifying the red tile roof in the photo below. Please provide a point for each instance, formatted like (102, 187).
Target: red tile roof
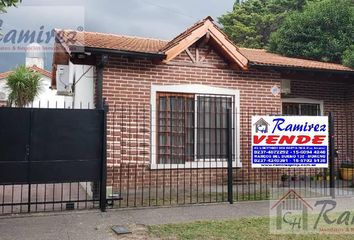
(41, 71)
(5, 74)
(183, 35)
(262, 57)
(110, 41)
(34, 68)
(148, 45)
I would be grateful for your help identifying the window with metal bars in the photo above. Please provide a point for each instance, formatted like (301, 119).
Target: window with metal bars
(175, 128)
(301, 109)
(191, 127)
(212, 127)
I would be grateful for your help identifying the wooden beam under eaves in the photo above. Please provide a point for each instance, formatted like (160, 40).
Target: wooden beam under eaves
(190, 55)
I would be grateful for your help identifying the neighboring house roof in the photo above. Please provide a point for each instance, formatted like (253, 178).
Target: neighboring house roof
(5, 74)
(244, 57)
(41, 71)
(34, 68)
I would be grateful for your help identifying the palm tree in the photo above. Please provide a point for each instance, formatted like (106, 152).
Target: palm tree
(24, 85)
(8, 3)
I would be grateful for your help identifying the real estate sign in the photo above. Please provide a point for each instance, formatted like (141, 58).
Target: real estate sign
(290, 141)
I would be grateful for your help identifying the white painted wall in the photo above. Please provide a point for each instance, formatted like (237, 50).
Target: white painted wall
(3, 90)
(39, 62)
(83, 79)
(48, 98)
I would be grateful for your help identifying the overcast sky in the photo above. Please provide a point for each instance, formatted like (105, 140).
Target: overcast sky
(161, 19)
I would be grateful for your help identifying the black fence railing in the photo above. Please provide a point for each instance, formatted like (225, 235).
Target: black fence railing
(177, 154)
(180, 151)
(24, 198)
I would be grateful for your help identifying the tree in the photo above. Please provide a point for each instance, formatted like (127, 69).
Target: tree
(348, 57)
(8, 3)
(251, 22)
(24, 85)
(322, 31)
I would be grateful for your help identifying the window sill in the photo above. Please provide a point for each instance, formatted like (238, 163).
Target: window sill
(195, 165)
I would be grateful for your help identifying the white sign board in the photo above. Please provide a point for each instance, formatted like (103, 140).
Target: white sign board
(290, 141)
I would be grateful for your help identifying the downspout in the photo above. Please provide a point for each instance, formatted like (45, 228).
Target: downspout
(102, 61)
(97, 185)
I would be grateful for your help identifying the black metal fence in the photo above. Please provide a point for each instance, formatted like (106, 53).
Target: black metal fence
(175, 154)
(185, 150)
(25, 198)
(178, 154)
(51, 159)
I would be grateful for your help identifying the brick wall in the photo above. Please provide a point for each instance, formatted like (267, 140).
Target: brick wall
(127, 85)
(127, 89)
(338, 99)
(350, 122)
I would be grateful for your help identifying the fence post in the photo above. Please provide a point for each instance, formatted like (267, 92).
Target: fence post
(103, 182)
(332, 155)
(229, 157)
(28, 159)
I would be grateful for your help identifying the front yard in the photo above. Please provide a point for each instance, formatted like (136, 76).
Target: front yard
(245, 228)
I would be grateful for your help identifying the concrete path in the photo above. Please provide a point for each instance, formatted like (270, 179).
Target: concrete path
(94, 225)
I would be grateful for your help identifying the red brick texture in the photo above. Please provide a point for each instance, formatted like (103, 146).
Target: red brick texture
(338, 99)
(127, 87)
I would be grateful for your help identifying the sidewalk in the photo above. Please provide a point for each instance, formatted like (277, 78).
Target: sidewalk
(94, 225)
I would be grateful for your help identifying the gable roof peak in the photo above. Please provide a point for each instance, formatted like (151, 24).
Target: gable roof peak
(209, 18)
(190, 36)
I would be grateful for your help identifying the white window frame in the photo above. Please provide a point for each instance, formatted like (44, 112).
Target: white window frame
(194, 89)
(303, 101)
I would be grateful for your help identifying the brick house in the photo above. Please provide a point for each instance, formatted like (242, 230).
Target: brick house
(168, 100)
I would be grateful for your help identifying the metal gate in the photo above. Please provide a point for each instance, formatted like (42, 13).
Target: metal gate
(51, 159)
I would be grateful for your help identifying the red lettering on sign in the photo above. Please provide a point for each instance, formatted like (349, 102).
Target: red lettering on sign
(302, 139)
(276, 139)
(318, 139)
(272, 139)
(286, 139)
(257, 139)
